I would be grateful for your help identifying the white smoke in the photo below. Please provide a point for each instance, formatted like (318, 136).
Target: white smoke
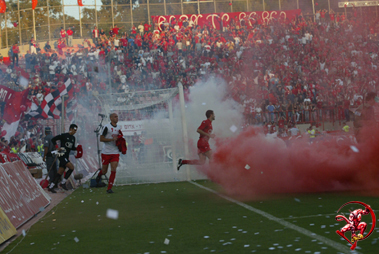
(213, 94)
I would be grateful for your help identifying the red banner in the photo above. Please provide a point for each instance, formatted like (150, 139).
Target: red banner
(20, 196)
(8, 157)
(30, 190)
(15, 103)
(214, 19)
(11, 202)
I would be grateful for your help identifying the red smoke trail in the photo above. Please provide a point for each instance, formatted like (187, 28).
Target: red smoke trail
(275, 168)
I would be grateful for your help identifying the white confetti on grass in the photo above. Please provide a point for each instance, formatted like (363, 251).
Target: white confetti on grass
(76, 239)
(233, 128)
(97, 203)
(246, 245)
(206, 237)
(112, 214)
(31, 243)
(355, 149)
(298, 249)
(166, 241)
(297, 200)
(23, 232)
(271, 248)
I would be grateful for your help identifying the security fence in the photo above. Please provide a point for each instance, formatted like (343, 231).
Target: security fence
(20, 23)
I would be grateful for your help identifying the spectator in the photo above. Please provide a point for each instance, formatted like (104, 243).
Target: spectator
(70, 34)
(47, 47)
(15, 52)
(95, 35)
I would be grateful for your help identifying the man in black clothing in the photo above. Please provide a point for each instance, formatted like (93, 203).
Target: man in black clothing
(48, 157)
(47, 47)
(67, 141)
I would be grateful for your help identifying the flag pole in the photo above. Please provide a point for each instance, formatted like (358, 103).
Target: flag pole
(62, 117)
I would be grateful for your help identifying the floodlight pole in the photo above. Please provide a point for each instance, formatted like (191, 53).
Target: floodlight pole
(62, 117)
(34, 27)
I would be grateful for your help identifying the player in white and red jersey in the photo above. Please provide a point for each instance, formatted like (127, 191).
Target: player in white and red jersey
(204, 150)
(110, 153)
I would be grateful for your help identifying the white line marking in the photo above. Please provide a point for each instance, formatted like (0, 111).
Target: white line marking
(317, 215)
(333, 244)
(309, 216)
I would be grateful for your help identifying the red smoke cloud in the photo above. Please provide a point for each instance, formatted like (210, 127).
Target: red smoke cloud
(301, 167)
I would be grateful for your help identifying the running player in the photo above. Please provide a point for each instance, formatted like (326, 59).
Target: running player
(204, 150)
(67, 141)
(110, 153)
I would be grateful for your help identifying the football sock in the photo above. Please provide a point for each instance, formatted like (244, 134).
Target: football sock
(56, 180)
(191, 162)
(111, 180)
(68, 173)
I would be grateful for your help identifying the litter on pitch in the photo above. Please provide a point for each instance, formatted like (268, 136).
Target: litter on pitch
(206, 237)
(166, 241)
(23, 232)
(233, 128)
(112, 214)
(76, 239)
(97, 203)
(355, 149)
(297, 200)
(247, 167)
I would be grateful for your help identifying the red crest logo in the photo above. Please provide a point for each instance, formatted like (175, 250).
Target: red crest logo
(355, 224)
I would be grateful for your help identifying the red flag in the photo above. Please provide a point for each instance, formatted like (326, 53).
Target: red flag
(80, 2)
(34, 4)
(3, 6)
(13, 109)
(14, 106)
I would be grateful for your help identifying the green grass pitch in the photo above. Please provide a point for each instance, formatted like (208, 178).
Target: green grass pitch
(194, 220)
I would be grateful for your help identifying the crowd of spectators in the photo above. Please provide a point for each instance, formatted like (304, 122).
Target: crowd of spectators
(307, 69)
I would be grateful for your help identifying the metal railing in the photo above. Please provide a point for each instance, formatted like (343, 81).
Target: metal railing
(19, 23)
(316, 116)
